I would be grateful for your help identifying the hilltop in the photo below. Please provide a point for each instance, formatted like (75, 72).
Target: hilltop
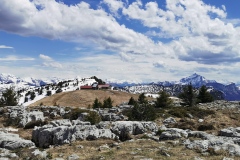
(83, 98)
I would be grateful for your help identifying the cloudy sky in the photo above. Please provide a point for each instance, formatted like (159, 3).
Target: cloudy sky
(123, 40)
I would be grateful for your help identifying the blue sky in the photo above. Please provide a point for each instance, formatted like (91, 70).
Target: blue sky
(121, 40)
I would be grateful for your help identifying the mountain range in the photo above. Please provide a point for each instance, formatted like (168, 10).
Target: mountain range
(229, 92)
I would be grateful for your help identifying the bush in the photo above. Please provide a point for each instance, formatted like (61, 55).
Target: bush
(182, 112)
(93, 117)
(205, 127)
(143, 112)
(35, 123)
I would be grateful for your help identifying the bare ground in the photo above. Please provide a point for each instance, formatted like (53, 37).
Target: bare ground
(84, 98)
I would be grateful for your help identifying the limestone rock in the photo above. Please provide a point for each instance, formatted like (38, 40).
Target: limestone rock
(13, 141)
(173, 133)
(50, 135)
(169, 120)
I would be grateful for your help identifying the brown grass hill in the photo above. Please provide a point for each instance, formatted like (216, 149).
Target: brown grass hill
(84, 98)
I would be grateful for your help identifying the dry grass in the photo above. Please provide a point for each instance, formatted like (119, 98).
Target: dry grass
(137, 149)
(84, 98)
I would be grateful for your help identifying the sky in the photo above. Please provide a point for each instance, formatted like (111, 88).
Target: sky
(121, 40)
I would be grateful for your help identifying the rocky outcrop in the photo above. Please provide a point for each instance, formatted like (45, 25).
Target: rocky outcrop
(19, 116)
(216, 143)
(173, 133)
(51, 135)
(13, 141)
(125, 128)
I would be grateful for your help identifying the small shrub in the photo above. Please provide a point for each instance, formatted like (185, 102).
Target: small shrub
(205, 127)
(159, 132)
(93, 117)
(35, 123)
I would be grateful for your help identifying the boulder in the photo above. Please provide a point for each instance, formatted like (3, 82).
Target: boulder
(173, 133)
(125, 128)
(169, 120)
(51, 135)
(61, 122)
(13, 141)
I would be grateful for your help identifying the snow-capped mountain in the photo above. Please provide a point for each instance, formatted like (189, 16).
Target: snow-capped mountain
(9, 78)
(229, 92)
(30, 89)
(196, 80)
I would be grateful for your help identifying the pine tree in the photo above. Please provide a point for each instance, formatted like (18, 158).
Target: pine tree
(131, 101)
(9, 97)
(142, 98)
(163, 100)
(107, 103)
(97, 104)
(188, 95)
(32, 96)
(204, 96)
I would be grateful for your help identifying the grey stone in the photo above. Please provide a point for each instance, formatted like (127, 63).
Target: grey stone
(50, 135)
(73, 157)
(13, 141)
(173, 133)
(133, 127)
(169, 120)
(61, 122)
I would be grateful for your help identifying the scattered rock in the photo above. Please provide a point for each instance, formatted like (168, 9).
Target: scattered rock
(50, 135)
(103, 147)
(73, 157)
(169, 120)
(13, 141)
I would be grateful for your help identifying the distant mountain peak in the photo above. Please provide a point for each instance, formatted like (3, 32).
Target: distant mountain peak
(196, 80)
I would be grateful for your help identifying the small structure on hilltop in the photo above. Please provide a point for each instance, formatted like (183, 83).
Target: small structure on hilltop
(103, 86)
(86, 87)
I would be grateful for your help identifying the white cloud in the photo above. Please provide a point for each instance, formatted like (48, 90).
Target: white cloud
(114, 6)
(52, 64)
(5, 47)
(16, 58)
(44, 57)
(199, 31)
(72, 23)
(49, 62)
(199, 36)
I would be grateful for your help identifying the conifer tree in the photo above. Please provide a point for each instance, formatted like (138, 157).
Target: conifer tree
(188, 95)
(204, 96)
(107, 103)
(142, 98)
(131, 101)
(9, 97)
(97, 104)
(163, 100)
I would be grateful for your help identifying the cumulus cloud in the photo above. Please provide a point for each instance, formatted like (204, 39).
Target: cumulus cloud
(200, 32)
(5, 47)
(76, 23)
(16, 58)
(114, 6)
(196, 33)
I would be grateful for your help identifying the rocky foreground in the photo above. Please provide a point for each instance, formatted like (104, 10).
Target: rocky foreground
(46, 133)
